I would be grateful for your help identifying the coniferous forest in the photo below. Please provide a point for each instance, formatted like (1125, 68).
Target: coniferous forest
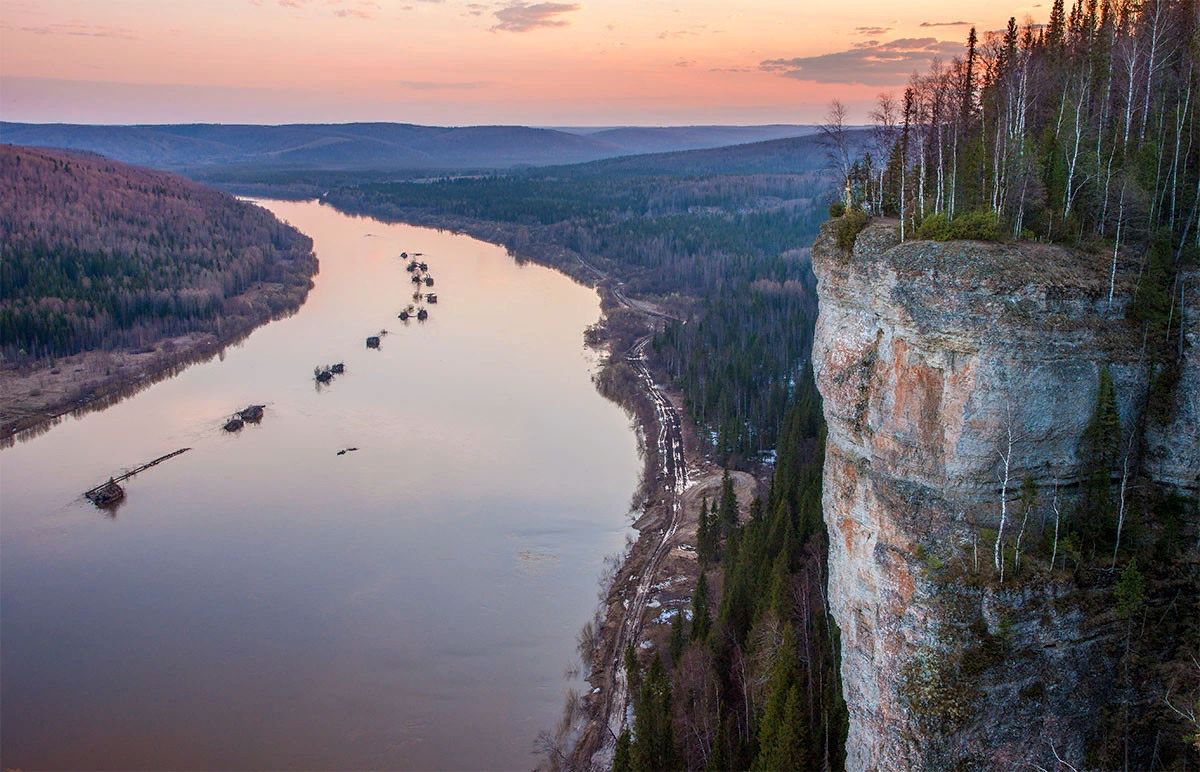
(95, 254)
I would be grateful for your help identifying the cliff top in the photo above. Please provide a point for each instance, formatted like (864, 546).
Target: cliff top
(971, 264)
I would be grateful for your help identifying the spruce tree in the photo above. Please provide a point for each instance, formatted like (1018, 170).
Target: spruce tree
(727, 513)
(701, 620)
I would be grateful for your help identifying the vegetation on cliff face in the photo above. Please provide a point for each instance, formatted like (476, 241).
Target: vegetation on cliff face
(96, 254)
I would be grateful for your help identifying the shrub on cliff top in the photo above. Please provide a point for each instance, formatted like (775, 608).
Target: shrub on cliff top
(837, 209)
(973, 226)
(848, 227)
(977, 226)
(935, 227)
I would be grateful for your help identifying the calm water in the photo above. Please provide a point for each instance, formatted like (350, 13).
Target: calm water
(263, 603)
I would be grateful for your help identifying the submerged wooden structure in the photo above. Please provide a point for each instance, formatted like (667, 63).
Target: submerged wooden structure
(109, 493)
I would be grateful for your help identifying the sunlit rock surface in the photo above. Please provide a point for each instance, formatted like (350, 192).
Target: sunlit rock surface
(928, 355)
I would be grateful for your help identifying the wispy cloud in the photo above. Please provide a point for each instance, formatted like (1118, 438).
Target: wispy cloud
(476, 9)
(872, 64)
(872, 30)
(695, 29)
(685, 63)
(523, 17)
(945, 24)
(78, 29)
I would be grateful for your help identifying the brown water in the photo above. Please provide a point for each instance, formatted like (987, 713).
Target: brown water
(263, 603)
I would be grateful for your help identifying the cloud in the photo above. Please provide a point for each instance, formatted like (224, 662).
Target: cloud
(476, 9)
(945, 24)
(695, 29)
(79, 30)
(523, 17)
(293, 3)
(872, 30)
(881, 64)
(684, 63)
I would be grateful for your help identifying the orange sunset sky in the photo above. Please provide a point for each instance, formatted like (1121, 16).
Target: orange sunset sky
(450, 62)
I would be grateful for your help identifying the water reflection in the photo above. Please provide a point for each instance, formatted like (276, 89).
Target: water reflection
(266, 603)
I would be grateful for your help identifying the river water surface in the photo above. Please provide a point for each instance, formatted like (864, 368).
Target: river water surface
(261, 602)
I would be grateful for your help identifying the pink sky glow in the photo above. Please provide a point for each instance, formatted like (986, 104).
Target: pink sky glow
(452, 62)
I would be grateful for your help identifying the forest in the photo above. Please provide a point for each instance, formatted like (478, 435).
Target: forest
(95, 254)
(756, 686)
(1084, 131)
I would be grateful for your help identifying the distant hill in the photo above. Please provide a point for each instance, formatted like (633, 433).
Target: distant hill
(96, 254)
(380, 146)
(794, 155)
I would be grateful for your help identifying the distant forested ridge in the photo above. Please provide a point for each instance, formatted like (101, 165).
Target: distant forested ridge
(95, 254)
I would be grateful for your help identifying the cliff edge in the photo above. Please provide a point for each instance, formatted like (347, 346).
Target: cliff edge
(979, 565)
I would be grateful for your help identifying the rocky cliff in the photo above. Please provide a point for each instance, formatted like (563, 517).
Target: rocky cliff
(953, 373)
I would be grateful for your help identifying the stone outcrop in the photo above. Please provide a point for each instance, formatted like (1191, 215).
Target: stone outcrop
(931, 356)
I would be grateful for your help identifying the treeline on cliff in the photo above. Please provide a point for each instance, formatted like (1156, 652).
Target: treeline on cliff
(95, 254)
(757, 685)
(1083, 130)
(716, 243)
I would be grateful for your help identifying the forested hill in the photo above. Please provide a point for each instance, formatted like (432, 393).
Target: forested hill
(97, 254)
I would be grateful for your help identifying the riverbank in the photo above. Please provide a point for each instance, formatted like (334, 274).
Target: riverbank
(36, 396)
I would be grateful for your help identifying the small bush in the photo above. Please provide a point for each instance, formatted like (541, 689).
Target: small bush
(976, 226)
(935, 227)
(837, 209)
(848, 228)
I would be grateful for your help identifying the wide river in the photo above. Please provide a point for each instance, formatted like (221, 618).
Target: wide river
(262, 602)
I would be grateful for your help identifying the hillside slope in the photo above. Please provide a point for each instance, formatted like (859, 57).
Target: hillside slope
(98, 256)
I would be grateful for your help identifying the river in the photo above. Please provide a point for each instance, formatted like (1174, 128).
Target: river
(262, 602)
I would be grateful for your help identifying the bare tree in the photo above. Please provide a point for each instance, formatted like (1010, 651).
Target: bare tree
(837, 147)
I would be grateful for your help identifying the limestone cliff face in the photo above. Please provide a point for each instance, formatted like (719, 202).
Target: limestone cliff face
(928, 355)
